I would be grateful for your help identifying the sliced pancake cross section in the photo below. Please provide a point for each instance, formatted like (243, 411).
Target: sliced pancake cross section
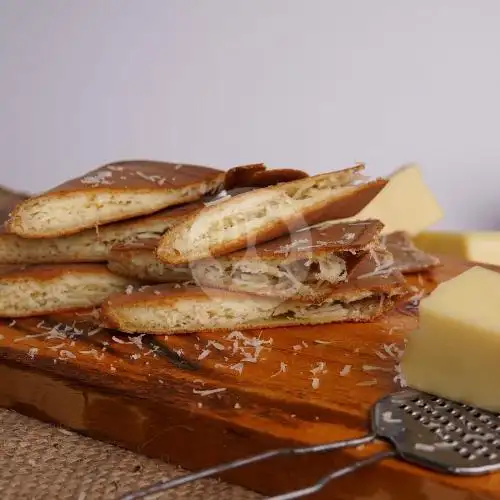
(264, 214)
(91, 245)
(138, 260)
(174, 309)
(302, 266)
(111, 193)
(45, 289)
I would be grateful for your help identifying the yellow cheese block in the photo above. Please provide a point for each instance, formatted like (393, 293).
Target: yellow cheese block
(478, 246)
(455, 352)
(404, 204)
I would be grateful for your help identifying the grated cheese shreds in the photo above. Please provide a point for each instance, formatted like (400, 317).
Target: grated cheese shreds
(238, 367)
(379, 354)
(237, 406)
(322, 342)
(235, 335)
(424, 447)
(137, 340)
(32, 352)
(392, 350)
(371, 368)
(157, 179)
(98, 178)
(12, 323)
(93, 352)
(345, 371)
(315, 382)
(215, 344)
(129, 289)
(388, 418)
(283, 368)
(319, 368)
(208, 392)
(204, 354)
(66, 355)
(135, 356)
(57, 347)
(399, 378)
(367, 383)
(118, 340)
(179, 352)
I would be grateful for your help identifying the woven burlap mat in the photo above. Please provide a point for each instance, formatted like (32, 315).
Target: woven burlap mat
(40, 461)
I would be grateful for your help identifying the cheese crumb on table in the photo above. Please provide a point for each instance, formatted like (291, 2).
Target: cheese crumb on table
(455, 351)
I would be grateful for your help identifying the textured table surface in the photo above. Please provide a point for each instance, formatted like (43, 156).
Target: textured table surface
(40, 461)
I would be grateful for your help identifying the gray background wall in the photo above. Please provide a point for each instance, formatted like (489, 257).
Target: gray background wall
(300, 83)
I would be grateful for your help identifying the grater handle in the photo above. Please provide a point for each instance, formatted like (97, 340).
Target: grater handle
(309, 490)
(218, 469)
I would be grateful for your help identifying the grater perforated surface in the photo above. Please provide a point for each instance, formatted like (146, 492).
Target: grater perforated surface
(438, 433)
(423, 429)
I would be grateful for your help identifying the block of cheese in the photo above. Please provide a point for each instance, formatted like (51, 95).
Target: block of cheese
(478, 246)
(404, 204)
(455, 352)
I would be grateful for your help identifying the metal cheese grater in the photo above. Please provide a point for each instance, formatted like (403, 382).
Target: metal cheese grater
(423, 429)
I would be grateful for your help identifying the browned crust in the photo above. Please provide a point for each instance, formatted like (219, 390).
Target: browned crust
(110, 310)
(347, 205)
(407, 257)
(257, 175)
(8, 268)
(138, 247)
(47, 272)
(291, 247)
(140, 176)
(316, 241)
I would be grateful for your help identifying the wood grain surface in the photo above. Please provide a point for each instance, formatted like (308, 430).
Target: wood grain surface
(286, 386)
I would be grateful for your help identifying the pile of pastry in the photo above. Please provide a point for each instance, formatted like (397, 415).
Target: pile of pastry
(170, 248)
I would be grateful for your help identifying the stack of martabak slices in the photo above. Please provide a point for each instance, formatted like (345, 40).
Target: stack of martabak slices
(54, 247)
(275, 256)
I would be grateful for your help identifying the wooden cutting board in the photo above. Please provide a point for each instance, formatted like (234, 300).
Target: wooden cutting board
(271, 388)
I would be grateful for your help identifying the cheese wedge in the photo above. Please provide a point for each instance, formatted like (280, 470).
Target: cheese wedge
(478, 246)
(404, 204)
(455, 352)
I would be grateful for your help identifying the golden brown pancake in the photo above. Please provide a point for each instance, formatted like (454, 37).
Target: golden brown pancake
(110, 193)
(39, 290)
(264, 214)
